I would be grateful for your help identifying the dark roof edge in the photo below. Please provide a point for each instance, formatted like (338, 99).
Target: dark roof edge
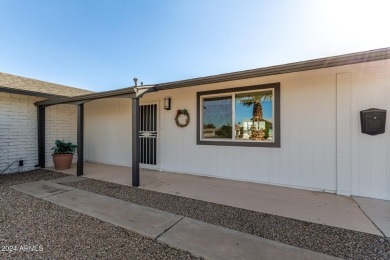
(90, 97)
(28, 93)
(333, 61)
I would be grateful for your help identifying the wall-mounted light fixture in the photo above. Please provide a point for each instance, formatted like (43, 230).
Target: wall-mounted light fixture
(167, 103)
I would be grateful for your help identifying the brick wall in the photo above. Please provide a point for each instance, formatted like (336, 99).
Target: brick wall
(18, 130)
(61, 123)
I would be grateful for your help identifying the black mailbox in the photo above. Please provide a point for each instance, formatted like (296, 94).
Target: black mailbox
(373, 121)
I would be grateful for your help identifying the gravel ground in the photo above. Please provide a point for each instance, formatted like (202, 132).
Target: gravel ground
(321, 238)
(54, 232)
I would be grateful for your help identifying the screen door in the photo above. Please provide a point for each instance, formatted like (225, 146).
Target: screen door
(148, 134)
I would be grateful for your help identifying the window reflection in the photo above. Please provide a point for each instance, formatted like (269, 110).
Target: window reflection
(217, 117)
(253, 116)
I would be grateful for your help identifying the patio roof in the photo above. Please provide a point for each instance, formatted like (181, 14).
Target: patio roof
(353, 58)
(131, 92)
(135, 93)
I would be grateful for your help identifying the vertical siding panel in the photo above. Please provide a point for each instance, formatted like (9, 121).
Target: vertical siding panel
(307, 108)
(343, 133)
(231, 163)
(279, 171)
(364, 160)
(275, 166)
(355, 133)
(323, 134)
(378, 142)
(108, 131)
(253, 163)
(295, 130)
(223, 168)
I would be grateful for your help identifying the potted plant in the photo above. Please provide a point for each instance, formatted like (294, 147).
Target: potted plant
(63, 154)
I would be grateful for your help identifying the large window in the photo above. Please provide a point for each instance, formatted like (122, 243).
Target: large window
(247, 116)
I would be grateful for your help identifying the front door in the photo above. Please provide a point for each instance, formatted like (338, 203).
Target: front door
(148, 135)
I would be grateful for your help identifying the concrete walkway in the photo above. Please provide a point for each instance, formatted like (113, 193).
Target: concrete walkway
(199, 238)
(378, 211)
(317, 207)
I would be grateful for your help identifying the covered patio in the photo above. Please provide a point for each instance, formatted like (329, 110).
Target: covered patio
(133, 93)
(312, 206)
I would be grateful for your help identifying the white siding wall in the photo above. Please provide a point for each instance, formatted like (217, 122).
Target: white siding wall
(370, 155)
(343, 82)
(322, 147)
(18, 131)
(108, 131)
(61, 123)
(308, 136)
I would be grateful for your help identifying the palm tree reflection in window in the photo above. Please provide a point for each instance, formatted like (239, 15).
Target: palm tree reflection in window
(258, 128)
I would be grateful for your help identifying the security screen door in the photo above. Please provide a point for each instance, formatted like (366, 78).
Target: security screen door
(148, 134)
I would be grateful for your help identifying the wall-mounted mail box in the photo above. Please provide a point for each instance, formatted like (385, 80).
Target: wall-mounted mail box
(373, 121)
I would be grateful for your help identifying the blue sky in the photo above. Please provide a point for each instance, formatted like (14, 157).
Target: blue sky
(102, 45)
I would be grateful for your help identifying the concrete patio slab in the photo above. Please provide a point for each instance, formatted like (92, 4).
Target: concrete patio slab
(67, 179)
(378, 211)
(112, 173)
(41, 189)
(214, 242)
(317, 207)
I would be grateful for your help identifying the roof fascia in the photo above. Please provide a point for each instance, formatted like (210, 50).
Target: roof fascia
(360, 57)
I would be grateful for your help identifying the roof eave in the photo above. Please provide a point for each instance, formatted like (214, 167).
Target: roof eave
(359, 57)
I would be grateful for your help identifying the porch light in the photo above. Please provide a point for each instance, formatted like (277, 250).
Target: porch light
(167, 103)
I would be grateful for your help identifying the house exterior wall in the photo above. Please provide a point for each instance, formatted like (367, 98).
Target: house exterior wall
(306, 158)
(18, 132)
(61, 123)
(107, 130)
(370, 155)
(322, 147)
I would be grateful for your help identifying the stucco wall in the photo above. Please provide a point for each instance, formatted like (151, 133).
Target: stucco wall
(61, 123)
(18, 131)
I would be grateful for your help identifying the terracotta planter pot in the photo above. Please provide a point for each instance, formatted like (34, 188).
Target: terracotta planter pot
(62, 161)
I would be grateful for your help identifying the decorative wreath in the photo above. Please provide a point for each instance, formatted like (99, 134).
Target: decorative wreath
(185, 113)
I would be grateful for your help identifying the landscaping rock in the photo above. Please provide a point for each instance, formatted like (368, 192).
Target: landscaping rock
(329, 240)
(36, 229)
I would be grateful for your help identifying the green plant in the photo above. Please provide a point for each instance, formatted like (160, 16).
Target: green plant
(63, 148)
